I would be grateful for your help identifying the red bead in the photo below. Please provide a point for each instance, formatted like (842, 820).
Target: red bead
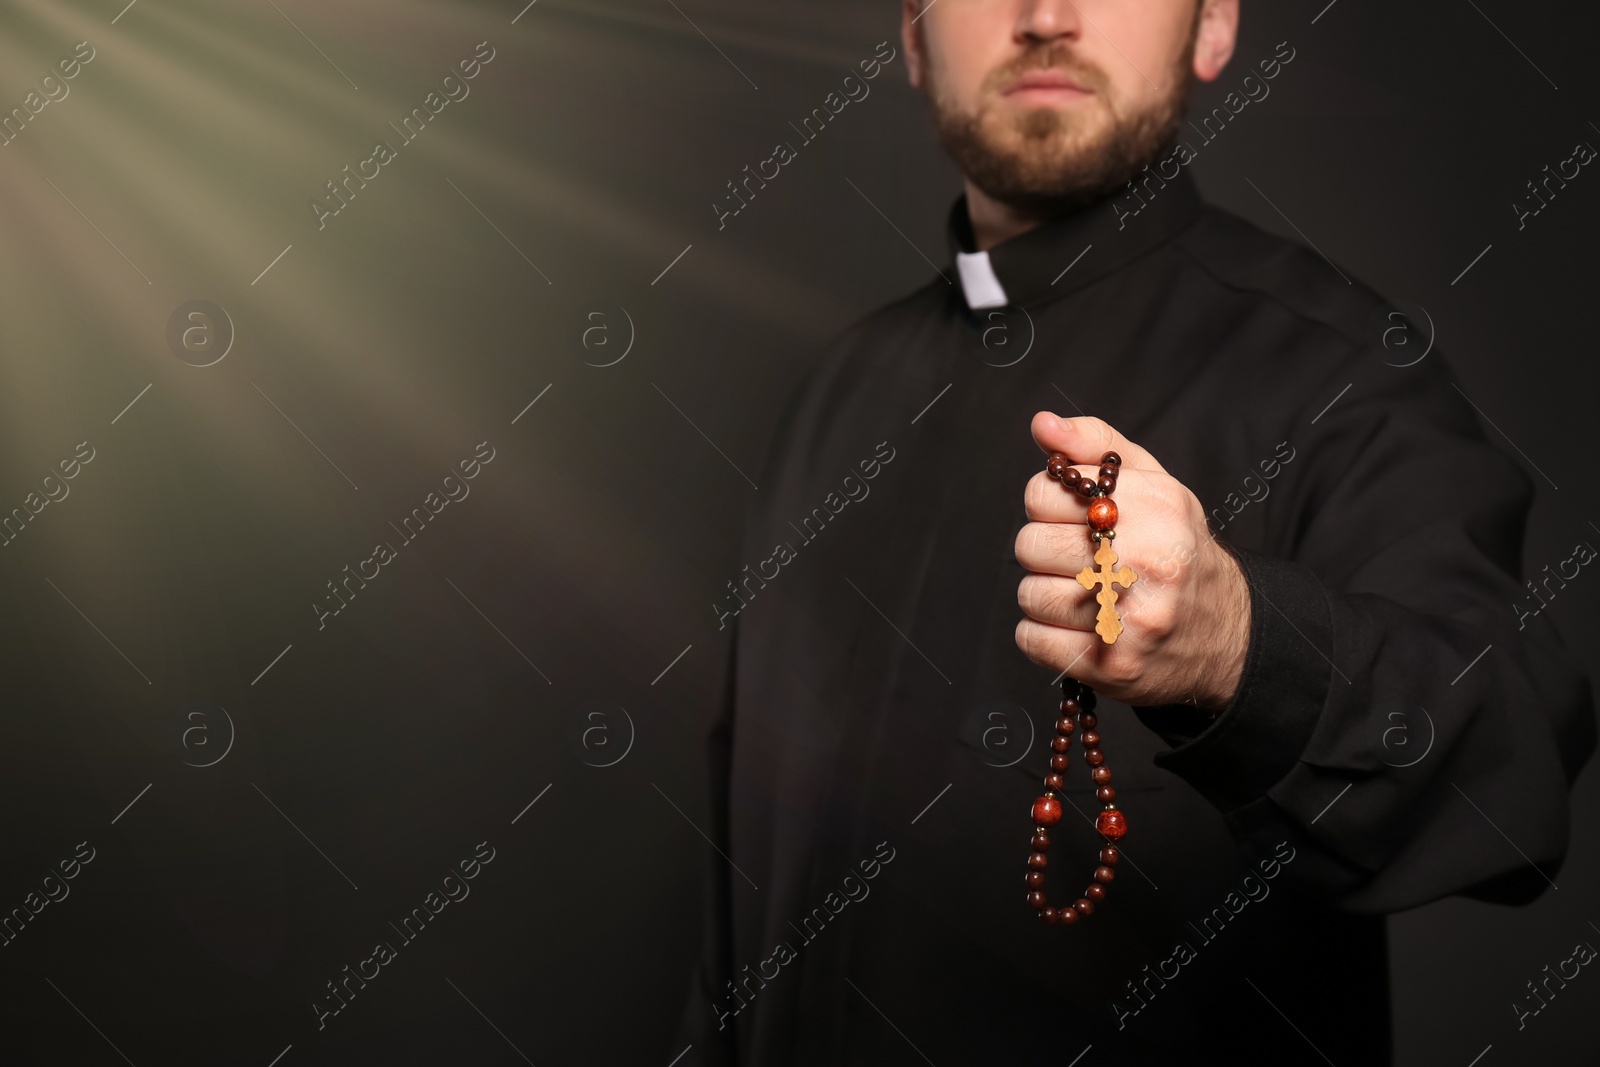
(1047, 811)
(1094, 757)
(1088, 720)
(1049, 915)
(1083, 906)
(1103, 513)
(1066, 916)
(1110, 855)
(1041, 841)
(1055, 781)
(1095, 892)
(1058, 464)
(1035, 879)
(1038, 861)
(1106, 794)
(1065, 725)
(1036, 899)
(1112, 824)
(1070, 706)
(1059, 762)
(1060, 743)
(1103, 873)
(1090, 739)
(1101, 775)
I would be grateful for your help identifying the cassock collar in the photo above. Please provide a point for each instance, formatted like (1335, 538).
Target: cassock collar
(1072, 250)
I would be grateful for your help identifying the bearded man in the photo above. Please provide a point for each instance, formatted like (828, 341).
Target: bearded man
(1324, 705)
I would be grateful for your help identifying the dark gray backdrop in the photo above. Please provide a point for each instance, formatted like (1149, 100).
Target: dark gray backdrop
(161, 607)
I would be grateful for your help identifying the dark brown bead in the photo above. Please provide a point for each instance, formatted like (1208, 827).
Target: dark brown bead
(1070, 706)
(1110, 855)
(1059, 762)
(1088, 720)
(1035, 879)
(1095, 892)
(1055, 781)
(1093, 757)
(1102, 513)
(1112, 824)
(1066, 916)
(1108, 472)
(1087, 487)
(1104, 873)
(1107, 485)
(1049, 915)
(1111, 459)
(1036, 899)
(1060, 742)
(1058, 464)
(1106, 793)
(1090, 739)
(1083, 906)
(1066, 725)
(1038, 861)
(1101, 775)
(1041, 841)
(1047, 811)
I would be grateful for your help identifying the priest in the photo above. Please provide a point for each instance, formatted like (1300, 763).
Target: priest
(1319, 701)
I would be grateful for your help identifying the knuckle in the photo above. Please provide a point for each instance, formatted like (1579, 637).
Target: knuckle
(1029, 637)
(1033, 495)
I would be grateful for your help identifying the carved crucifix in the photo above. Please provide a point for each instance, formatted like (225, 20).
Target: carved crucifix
(1107, 624)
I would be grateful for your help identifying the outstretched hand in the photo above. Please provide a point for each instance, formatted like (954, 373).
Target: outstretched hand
(1186, 620)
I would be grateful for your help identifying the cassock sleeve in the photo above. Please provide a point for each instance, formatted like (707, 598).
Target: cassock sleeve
(704, 1026)
(1367, 728)
(711, 1044)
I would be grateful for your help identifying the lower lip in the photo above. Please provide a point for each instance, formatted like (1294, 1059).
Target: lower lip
(1052, 94)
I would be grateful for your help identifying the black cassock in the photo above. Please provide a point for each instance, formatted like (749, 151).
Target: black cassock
(883, 737)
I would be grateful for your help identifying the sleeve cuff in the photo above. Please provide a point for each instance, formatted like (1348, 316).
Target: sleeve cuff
(1256, 740)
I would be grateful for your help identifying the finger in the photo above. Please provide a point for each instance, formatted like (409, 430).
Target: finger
(1054, 548)
(1057, 601)
(1113, 670)
(1086, 439)
(1047, 500)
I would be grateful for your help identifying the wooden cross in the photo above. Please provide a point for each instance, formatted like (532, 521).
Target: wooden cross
(1107, 625)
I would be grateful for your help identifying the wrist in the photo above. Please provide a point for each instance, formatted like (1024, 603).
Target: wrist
(1227, 638)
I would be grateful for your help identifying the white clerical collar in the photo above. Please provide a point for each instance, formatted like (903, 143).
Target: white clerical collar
(978, 281)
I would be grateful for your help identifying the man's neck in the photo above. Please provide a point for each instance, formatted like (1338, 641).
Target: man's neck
(993, 221)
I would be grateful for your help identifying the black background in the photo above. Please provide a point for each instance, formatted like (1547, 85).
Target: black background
(379, 351)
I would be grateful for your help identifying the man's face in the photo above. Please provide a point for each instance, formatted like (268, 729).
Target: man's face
(1048, 104)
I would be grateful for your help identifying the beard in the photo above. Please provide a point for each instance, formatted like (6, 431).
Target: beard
(1042, 161)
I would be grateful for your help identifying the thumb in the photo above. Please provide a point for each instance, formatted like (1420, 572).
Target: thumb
(1085, 439)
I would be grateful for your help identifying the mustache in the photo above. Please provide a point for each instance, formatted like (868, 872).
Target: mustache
(1047, 57)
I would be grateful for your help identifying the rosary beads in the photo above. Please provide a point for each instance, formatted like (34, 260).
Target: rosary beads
(1077, 707)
